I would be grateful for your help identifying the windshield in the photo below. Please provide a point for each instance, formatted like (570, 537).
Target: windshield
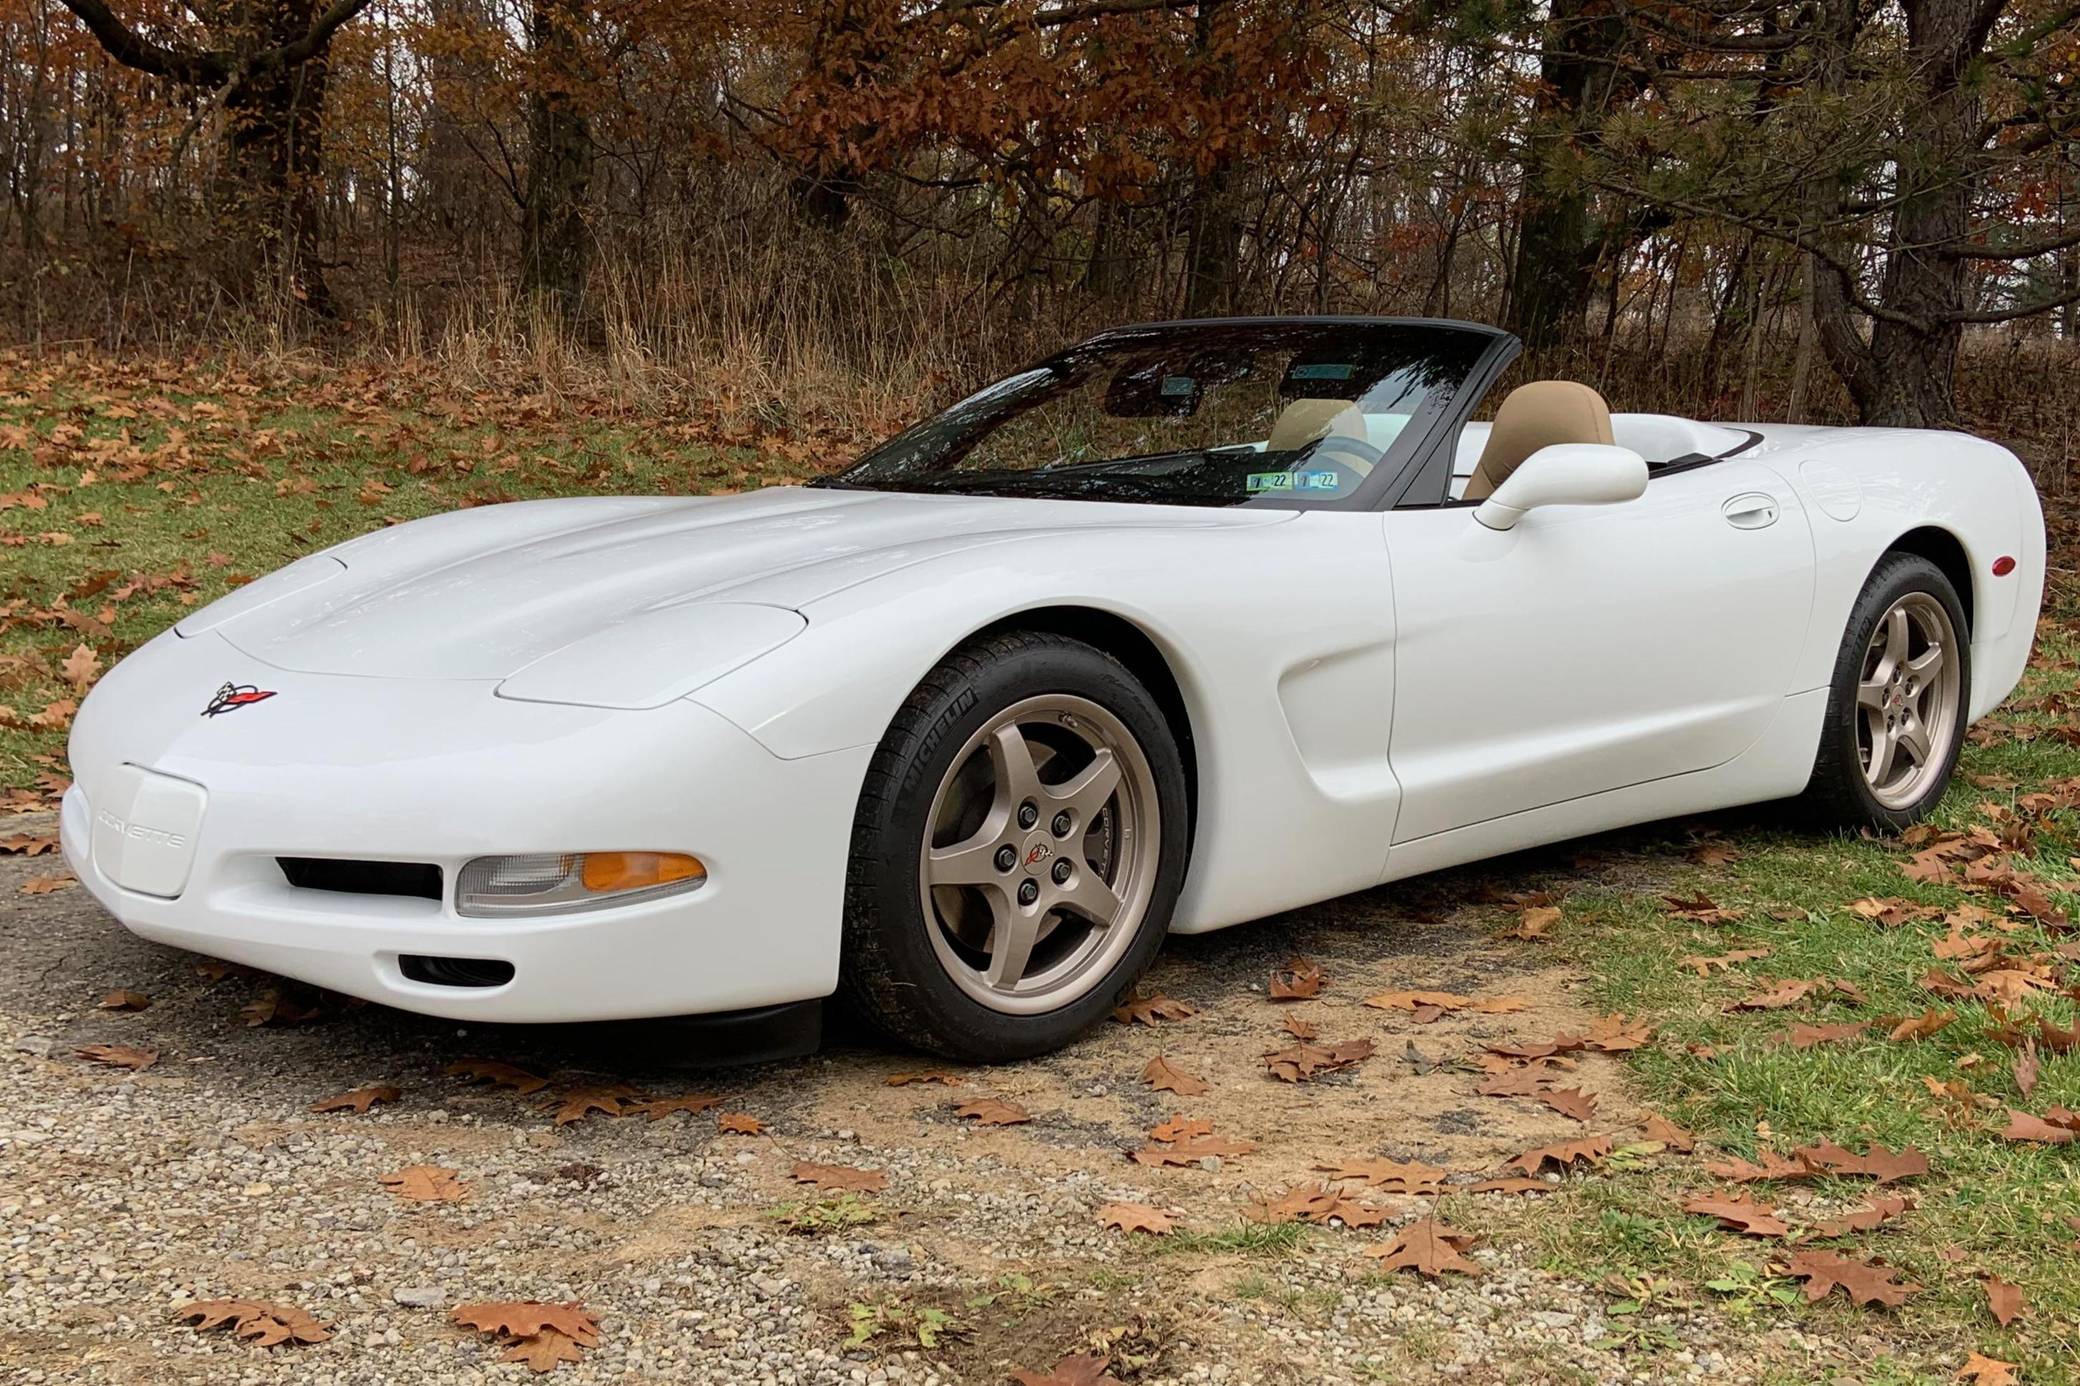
(1277, 413)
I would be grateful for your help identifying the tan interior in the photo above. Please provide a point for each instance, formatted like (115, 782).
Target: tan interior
(1307, 420)
(1537, 415)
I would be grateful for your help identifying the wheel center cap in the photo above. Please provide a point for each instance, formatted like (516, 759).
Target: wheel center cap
(1037, 852)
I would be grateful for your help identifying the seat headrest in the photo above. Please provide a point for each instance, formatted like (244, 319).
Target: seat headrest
(1306, 421)
(1534, 416)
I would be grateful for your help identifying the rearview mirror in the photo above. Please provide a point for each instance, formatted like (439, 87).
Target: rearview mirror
(1565, 474)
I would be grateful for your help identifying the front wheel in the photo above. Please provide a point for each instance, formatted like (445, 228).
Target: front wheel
(1019, 844)
(1896, 708)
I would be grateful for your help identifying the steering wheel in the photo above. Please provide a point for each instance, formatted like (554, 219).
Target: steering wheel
(1356, 448)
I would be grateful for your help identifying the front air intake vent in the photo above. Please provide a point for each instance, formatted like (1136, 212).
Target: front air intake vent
(455, 972)
(417, 879)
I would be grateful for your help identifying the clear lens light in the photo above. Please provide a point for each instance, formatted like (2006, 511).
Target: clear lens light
(566, 882)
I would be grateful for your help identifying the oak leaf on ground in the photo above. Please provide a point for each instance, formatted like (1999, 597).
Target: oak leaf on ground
(1572, 1103)
(1878, 1163)
(496, 1073)
(1863, 1282)
(1388, 1176)
(1299, 1062)
(1878, 1211)
(575, 1104)
(1164, 1076)
(119, 1056)
(1079, 1369)
(904, 1080)
(1181, 1128)
(1427, 1006)
(1588, 1151)
(539, 1335)
(2058, 1126)
(1986, 1371)
(125, 1000)
(1739, 1213)
(1429, 1248)
(1298, 980)
(278, 1007)
(359, 1100)
(1655, 1127)
(840, 1177)
(1719, 962)
(658, 1108)
(738, 1124)
(426, 1184)
(1191, 1150)
(2004, 1301)
(1148, 1010)
(1137, 1217)
(255, 1320)
(992, 1111)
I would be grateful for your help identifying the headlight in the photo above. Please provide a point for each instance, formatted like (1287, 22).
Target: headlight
(565, 882)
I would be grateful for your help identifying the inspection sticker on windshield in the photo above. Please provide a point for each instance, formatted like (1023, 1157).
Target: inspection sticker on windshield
(1259, 482)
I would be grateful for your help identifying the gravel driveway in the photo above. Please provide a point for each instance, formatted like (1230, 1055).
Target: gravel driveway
(207, 1175)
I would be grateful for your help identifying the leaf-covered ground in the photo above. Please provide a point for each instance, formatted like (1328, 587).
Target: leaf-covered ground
(1827, 1014)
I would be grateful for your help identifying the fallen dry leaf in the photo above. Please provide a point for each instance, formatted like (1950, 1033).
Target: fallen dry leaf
(1921, 1026)
(131, 1001)
(1137, 1217)
(539, 1335)
(1164, 1076)
(1659, 1128)
(498, 1074)
(1570, 1102)
(46, 885)
(1429, 1248)
(1080, 1369)
(254, 1320)
(1301, 1029)
(2056, 1127)
(575, 1104)
(1863, 1282)
(1388, 1176)
(1588, 1151)
(1879, 1211)
(426, 1184)
(359, 1100)
(119, 1056)
(1719, 962)
(840, 1177)
(1148, 1010)
(276, 1007)
(739, 1124)
(81, 667)
(992, 1111)
(2004, 1301)
(1427, 1006)
(1739, 1213)
(1801, 1036)
(1877, 1163)
(1532, 924)
(1296, 981)
(1181, 1128)
(1986, 1371)
(903, 1080)
(1303, 1061)
(1190, 1150)
(658, 1108)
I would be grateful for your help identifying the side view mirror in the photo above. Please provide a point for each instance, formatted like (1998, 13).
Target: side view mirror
(1565, 474)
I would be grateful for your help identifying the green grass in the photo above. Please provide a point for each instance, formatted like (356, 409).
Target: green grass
(1988, 1206)
(193, 481)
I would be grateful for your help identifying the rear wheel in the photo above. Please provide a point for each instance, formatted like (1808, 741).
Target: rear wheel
(1018, 848)
(1896, 708)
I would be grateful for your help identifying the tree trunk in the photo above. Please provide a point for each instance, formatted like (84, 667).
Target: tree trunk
(555, 242)
(1557, 247)
(270, 179)
(1213, 244)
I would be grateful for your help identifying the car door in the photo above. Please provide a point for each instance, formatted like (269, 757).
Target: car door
(1591, 647)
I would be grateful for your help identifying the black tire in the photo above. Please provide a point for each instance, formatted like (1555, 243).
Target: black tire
(891, 971)
(1839, 794)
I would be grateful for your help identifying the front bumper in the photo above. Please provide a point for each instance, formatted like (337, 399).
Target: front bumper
(440, 772)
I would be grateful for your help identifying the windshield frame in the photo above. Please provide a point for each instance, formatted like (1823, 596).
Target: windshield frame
(1435, 424)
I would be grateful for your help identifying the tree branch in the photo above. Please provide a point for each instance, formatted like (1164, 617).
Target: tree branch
(132, 49)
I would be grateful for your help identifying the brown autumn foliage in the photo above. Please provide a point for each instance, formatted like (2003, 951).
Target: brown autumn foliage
(840, 1178)
(540, 1336)
(254, 1321)
(426, 1184)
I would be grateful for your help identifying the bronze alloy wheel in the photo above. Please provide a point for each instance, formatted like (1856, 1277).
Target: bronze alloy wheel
(1907, 700)
(1041, 853)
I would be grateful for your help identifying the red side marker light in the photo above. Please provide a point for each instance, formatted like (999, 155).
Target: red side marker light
(2003, 566)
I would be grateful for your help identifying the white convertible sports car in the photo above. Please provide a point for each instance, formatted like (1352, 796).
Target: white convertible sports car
(1188, 624)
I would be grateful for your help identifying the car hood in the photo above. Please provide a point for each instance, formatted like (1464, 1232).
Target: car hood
(479, 594)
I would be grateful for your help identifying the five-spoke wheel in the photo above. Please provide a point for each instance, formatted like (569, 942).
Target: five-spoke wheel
(1040, 790)
(1897, 705)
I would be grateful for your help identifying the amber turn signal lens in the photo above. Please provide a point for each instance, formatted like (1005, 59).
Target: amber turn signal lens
(611, 871)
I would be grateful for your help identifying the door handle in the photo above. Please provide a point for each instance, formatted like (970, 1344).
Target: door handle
(1750, 510)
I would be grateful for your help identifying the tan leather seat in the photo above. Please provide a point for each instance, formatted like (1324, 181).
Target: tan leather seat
(1306, 421)
(1534, 416)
